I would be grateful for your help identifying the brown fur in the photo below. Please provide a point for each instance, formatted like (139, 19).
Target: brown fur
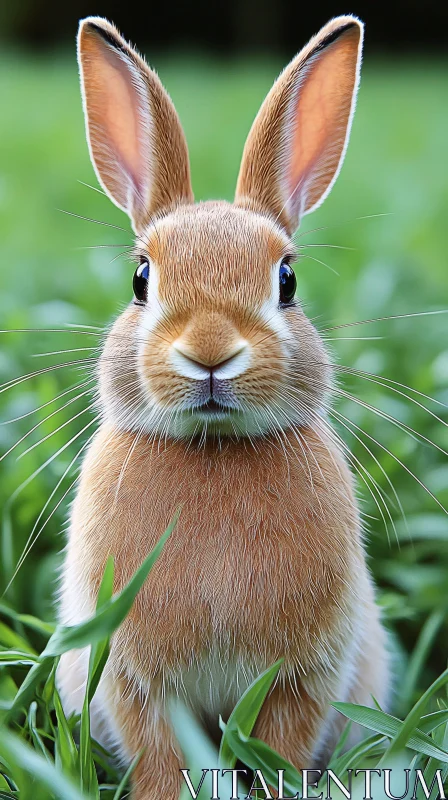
(265, 562)
(267, 559)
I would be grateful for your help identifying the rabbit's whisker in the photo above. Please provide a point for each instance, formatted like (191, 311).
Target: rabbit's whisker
(340, 224)
(353, 338)
(333, 436)
(55, 330)
(319, 261)
(31, 539)
(93, 188)
(103, 246)
(275, 429)
(324, 244)
(41, 422)
(367, 478)
(360, 469)
(46, 463)
(418, 437)
(16, 381)
(89, 219)
(88, 361)
(126, 460)
(295, 394)
(124, 253)
(69, 350)
(345, 422)
(378, 379)
(382, 319)
(398, 461)
(375, 490)
(48, 403)
(84, 326)
(402, 426)
(53, 433)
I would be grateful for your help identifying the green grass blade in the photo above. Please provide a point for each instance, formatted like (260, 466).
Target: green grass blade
(106, 589)
(45, 628)
(126, 777)
(112, 614)
(389, 726)
(66, 752)
(367, 747)
(340, 744)
(17, 658)
(22, 758)
(99, 652)
(419, 657)
(9, 638)
(87, 771)
(413, 718)
(197, 749)
(440, 736)
(258, 755)
(430, 722)
(25, 695)
(34, 732)
(246, 712)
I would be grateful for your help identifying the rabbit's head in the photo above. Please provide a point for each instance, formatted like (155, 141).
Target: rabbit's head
(215, 341)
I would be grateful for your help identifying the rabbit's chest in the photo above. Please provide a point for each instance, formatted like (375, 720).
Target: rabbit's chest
(256, 566)
(210, 610)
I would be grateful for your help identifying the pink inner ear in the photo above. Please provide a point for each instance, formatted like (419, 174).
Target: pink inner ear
(321, 118)
(121, 113)
(118, 113)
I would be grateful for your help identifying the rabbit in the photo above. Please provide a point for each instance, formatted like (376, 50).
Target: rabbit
(213, 390)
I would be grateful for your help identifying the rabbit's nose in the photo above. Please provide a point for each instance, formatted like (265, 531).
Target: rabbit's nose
(223, 366)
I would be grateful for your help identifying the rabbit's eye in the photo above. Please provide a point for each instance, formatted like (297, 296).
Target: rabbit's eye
(288, 283)
(140, 281)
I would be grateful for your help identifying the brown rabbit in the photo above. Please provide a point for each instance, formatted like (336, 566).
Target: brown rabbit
(213, 387)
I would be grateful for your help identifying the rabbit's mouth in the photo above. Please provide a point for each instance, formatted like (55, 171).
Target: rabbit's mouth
(212, 408)
(210, 405)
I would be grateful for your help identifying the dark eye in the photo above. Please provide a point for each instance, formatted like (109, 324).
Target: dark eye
(140, 281)
(288, 283)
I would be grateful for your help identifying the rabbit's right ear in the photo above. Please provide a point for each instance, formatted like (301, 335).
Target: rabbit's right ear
(136, 142)
(297, 143)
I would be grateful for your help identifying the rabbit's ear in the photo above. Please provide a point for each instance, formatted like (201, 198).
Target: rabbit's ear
(297, 143)
(136, 142)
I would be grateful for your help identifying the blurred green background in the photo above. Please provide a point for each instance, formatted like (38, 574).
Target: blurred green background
(57, 270)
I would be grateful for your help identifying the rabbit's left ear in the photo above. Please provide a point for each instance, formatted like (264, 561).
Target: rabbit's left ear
(297, 142)
(136, 141)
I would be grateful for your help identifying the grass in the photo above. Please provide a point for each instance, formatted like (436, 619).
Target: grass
(395, 167)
